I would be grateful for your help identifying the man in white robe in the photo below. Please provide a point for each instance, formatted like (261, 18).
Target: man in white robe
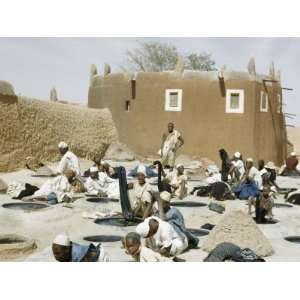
(69, 160)
(171, 142)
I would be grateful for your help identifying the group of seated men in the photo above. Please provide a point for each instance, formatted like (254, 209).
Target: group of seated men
(160, 237)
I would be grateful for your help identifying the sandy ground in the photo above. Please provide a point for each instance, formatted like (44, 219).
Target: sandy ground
(44, 224)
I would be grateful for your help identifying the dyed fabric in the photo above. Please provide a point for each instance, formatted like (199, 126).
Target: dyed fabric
(175, 218)
(246, 190)
(149, 172)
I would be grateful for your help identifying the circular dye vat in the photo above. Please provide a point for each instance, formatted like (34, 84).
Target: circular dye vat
(198, 232)
(282, 205)
(188, 204)
(117, 221)
(101, 199)
(103, 238)
(25, 206)
(293, 239)
(13, 246)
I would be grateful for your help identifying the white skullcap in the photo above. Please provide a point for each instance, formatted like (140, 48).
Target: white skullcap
(179, 166)
(103, 162)
(237, 154)
(141, 169)
(166, 196)
(143, 228)
(249, 159)
(293, 154)
(93, 169)
(62, 145)
(62, 239)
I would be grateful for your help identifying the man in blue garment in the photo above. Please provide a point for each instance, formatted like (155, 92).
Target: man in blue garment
(175, 218)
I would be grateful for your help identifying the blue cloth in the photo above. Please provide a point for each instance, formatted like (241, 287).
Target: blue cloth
(52, 198)
(175, 218)
(149, 172)
(80, 251)
(246, 190)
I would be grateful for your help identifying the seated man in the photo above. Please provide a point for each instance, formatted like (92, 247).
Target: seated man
(69, 160)
(252, 174)
(141, 198)
(133, 246)
(108, 169)
(175, 218)
(100, 184)
(263, 205)
(237, 168)
(66, 251)
(161, 237)
(55, 190)
(291, 166)
(177, 181)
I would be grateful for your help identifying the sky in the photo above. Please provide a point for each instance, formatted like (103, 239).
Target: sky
(35, 65)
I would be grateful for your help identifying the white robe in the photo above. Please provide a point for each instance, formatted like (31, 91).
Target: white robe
(69, 161)
(58, 185)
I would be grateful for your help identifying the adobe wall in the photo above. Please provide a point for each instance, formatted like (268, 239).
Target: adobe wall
(30, 127)
(203, 122)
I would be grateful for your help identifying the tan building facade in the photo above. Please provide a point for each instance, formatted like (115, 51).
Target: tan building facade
(237, 111)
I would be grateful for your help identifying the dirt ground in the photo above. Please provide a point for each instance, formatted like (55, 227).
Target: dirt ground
(44, 224)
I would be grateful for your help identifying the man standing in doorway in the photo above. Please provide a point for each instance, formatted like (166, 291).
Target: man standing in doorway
(171, 142)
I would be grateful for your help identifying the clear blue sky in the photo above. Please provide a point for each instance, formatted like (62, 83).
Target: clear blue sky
(34, 65)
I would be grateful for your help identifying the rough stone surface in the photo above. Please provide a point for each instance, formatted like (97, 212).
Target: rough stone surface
(34, 128)
(240, 229)
(119, 152)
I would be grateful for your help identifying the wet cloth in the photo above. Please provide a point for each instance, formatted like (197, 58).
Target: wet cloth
(149, 172)
(175, 218)
(69, 162)
(80, 251)
(148, 255)
(223, 251)
(58, 185)
(226, 164)
(168, 150)
(28, 191)
(246, 190)
(124, 198)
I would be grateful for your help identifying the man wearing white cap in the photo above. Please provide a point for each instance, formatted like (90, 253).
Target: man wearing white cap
(237, 169)
(161, 237)
(64, 250)
(99, 183)
(178, 181)
(175, 218)
(141, 198)
(68, 161)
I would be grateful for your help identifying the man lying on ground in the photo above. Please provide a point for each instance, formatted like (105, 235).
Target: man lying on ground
(174, 217)
(177, 181)
(100, 184)
(161, 237)
(55, 190)
(141, 198)
(64, 250)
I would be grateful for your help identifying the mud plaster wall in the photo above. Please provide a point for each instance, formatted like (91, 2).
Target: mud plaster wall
(31, 127)
(203, 122)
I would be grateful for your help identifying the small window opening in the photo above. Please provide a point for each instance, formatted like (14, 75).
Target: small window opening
(127, 105)
(133, 89)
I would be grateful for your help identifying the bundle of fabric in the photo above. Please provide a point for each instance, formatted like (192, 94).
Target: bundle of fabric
(246, 190)
(149, 172)
(231, 252)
